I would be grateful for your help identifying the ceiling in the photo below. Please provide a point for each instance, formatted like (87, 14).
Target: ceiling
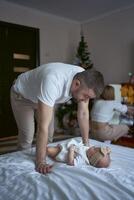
(76, 10)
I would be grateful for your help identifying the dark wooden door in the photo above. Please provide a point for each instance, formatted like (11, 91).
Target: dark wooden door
(19, 52)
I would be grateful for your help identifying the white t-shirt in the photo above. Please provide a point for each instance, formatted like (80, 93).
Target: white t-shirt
(49, 83)
(103, 110)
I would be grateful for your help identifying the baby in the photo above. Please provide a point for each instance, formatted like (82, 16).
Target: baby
(74, 153)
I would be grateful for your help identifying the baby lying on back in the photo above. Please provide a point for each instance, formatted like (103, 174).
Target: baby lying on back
(74, 153)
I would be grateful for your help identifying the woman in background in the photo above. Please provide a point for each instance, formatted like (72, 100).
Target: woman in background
(102, 114)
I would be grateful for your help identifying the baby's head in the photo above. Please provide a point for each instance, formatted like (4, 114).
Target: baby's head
(99, 156)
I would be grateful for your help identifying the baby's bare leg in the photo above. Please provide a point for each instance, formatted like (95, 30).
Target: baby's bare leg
(53, 151)
(71, 155)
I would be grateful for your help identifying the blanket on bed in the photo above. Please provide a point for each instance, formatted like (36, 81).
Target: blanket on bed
(20, 181)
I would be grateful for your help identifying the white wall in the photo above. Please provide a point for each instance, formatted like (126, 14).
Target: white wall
(111, 44)
(110, 39)
(58, 37)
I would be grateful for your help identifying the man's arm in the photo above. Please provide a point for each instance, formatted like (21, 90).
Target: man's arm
(44, 118)
(83, 120)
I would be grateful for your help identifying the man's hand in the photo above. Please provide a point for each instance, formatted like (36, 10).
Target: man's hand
(44, 168)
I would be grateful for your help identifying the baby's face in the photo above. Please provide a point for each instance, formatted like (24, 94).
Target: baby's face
(103, 161)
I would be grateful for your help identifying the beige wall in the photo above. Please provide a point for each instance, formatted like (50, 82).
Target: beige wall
(111, 42)
(58, 37)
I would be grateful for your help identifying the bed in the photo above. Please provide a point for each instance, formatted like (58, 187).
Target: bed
(20, 181)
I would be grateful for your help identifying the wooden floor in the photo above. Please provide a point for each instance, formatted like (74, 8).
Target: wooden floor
(8, 144)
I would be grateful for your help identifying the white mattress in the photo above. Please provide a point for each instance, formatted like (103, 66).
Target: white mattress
(20, 181)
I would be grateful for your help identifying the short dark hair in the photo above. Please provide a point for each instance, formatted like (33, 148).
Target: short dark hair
(92, 79)
(108, 93)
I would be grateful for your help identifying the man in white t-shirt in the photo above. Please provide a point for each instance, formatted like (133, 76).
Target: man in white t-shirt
(39, 90)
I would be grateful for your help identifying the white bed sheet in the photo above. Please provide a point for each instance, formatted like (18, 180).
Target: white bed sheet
(20, 181)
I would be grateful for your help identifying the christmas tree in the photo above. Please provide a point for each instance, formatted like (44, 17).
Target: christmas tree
(67, 113)
(83, 55)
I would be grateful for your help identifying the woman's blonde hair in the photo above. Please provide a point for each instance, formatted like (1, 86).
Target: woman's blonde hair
(108, 93)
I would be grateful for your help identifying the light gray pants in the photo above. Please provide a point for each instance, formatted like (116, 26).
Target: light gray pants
(25, 112)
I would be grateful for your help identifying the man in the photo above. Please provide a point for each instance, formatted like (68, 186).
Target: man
(39, 90)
